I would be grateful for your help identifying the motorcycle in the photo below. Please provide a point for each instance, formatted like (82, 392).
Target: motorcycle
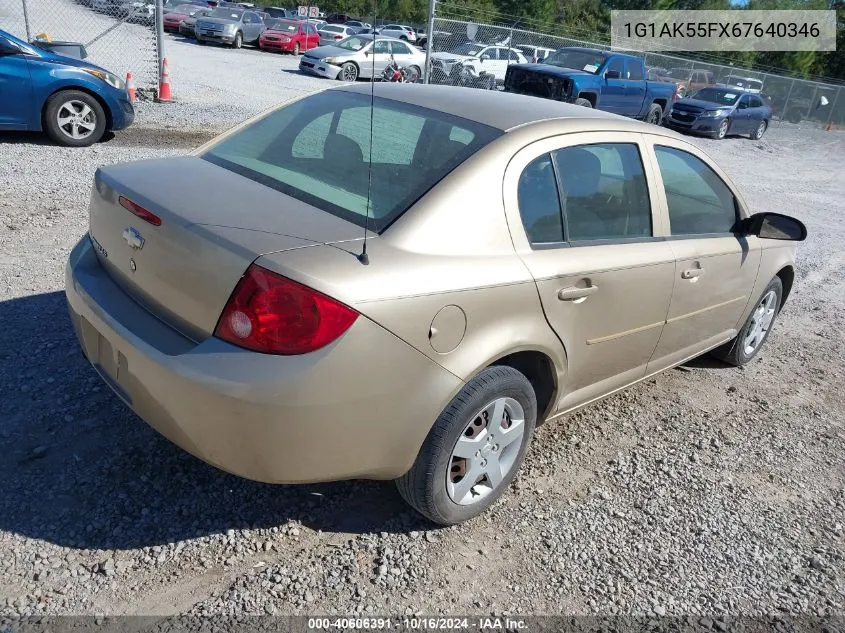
(395, 73)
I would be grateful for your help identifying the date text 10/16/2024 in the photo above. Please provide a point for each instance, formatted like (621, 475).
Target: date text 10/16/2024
(417, 624)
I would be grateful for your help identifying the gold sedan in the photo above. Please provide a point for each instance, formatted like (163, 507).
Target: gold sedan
(402, 285)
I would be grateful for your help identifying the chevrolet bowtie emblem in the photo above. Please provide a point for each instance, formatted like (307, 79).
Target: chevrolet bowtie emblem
(133, 238)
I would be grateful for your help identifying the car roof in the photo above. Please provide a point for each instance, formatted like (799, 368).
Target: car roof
(502, 110)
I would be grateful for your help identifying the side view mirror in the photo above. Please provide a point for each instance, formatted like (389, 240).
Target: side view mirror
(484, 57)
(8, 49)
(613, 74)
(775, 226)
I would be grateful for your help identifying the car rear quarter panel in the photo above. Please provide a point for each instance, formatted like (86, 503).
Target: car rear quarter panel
(451, 249)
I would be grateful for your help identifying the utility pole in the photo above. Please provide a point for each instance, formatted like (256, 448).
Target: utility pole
(432, 7)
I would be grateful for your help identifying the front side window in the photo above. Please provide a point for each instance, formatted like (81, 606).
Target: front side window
(699, 201)
(603, 192)
(317, 150)
(616, 65)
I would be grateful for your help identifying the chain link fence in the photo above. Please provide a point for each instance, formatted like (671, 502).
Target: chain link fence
(453, 41)
(118, 35)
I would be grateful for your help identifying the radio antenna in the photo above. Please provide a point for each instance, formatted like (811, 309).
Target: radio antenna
(363, 257)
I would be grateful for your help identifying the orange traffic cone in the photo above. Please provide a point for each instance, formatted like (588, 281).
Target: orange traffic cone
(164, 84)
(130, 87)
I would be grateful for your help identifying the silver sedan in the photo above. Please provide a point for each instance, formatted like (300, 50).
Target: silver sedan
(361, 56)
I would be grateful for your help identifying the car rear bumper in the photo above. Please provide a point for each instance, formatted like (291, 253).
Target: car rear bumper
(337, 413)
(316, 67)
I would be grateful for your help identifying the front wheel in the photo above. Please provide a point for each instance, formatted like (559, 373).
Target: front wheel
(756, 329)
(474, 449)
(296, 49)
(583, 102)
(74, 118)
(724, 126)
(757, 134)
(239, 41)
(348, 72)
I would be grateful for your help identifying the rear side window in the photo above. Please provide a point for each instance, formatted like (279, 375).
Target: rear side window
(699, 201)
(603, 192)
(318, 150)
(539, 203)
(583, 193)
(635, 70)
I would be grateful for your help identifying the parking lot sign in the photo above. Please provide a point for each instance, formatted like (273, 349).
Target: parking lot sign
(313, 12)
(303, 12)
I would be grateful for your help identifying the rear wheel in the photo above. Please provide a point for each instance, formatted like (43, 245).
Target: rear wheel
(414, 74)
(583, 102)
(757, 134)
(655, 114)
(756, 329)
(74, 118)
(474, 449)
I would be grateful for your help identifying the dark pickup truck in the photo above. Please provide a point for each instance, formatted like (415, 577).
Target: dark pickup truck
(597, 79)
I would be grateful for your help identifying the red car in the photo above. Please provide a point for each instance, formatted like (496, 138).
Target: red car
(289, 36)
(172, 19)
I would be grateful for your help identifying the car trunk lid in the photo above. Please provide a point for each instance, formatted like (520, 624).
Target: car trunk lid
(214, 223)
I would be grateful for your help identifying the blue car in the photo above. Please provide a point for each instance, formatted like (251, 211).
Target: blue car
(74, 101)
(720, 110)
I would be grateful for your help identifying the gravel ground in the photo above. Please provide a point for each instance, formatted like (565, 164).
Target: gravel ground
(707, 490)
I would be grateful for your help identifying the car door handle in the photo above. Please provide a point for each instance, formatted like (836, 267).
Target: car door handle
(574, 293)
(692, 273)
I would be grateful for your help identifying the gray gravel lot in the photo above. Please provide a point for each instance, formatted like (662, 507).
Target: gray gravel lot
(707, 490)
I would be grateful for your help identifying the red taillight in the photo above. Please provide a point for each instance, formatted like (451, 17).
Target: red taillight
(338, 37)
(272, 314)
(141, 212)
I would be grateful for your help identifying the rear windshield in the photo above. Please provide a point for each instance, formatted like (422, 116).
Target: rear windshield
(317, 150)
(334, 29)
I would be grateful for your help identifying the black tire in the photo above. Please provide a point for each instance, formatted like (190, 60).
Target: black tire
(724, 127)
(414, 74)
(734, 351)
(423, 487)
(66, 98)
(348, 72)
(296, 49)
(404, 38)
(200, 42)
(239, 40)
(757, 134)
(655, 114)
(583, 102)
